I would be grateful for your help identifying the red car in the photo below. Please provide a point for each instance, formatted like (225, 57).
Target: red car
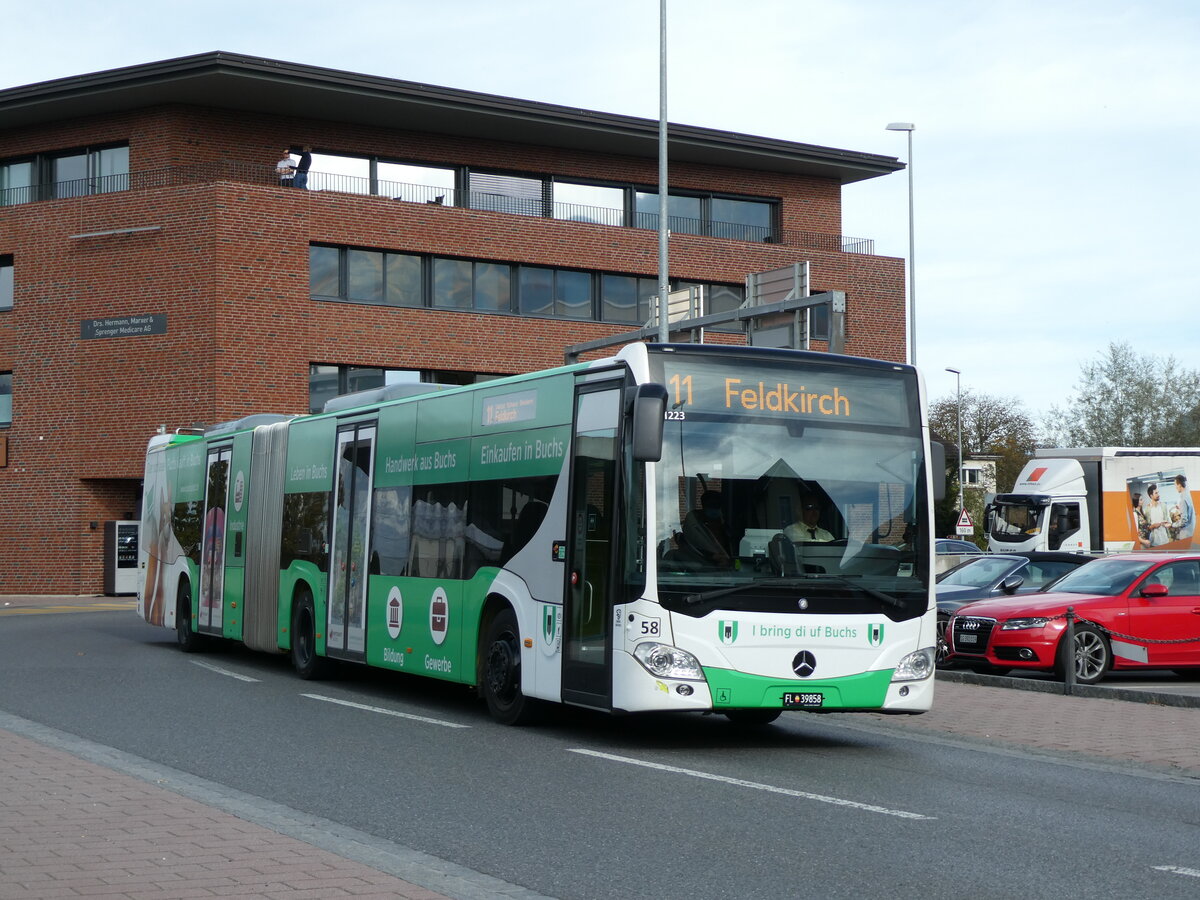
(1135, 610)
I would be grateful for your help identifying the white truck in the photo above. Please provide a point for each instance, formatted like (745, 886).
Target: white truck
(1099, 500)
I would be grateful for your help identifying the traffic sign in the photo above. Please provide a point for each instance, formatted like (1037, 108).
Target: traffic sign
(965, 525)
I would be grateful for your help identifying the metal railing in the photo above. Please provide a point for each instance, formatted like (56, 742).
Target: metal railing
(230, 170)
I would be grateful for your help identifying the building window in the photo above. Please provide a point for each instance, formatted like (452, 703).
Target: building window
(493, 287)
(84, 172)
(365, 276)
(559, 293)
(428, 184)
(535, 291)
(402, 279)
(724, 217)
(452, 284)
(16, 182)
(684, 214)
(75, 173)
(572, 294)
(6, 282)
(515, 194)
(818, 322)
(589, 203)
(328, 381)
(626, 298)
(6, 388)
(545, 196)
(742, 220)
(971, 476)
(344, 174)
(324, 271)
(380, 277)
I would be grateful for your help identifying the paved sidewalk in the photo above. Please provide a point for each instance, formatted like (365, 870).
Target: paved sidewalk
(72, 828)
(1130, 730)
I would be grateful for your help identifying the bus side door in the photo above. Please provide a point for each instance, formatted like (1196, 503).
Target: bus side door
(212, 548)
(592, 543)
(353, 478)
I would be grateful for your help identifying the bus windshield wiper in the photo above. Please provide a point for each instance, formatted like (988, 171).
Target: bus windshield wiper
(791, 581)
(870, 592)
(693, 599)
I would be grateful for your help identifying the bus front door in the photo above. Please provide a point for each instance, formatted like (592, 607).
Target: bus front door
(212, 548)
(345, 636)
(587, 646)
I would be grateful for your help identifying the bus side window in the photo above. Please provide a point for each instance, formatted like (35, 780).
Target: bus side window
(510, 513)
(439, 514)
(390, 530)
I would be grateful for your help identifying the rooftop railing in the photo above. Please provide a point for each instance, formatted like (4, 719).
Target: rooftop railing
(230, 170)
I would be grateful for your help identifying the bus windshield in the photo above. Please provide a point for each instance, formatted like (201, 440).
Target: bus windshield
(778, 483)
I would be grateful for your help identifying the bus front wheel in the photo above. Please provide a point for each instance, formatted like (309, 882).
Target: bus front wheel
(753, 717)
(500, 671)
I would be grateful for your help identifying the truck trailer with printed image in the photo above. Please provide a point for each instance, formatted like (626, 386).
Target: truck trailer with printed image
(1099, 500)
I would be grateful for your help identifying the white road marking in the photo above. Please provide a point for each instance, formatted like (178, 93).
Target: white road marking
(386, 712)
(1178, 870)
(804, 795)
(220, 671)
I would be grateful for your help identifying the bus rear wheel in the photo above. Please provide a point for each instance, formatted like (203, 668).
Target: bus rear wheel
(188, 639)
(305, 660)
(500, 672)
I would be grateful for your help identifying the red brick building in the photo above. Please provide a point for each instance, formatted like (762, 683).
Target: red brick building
(155, 273)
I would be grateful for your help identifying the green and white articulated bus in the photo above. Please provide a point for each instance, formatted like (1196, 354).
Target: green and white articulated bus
(620, 535)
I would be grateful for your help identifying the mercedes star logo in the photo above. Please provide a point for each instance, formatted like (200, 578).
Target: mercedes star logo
(804, 663)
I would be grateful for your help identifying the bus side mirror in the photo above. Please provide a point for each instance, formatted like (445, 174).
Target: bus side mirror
(646, 417)
(937, 466)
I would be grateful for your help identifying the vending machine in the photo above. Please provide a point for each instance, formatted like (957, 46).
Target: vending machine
(121, 557)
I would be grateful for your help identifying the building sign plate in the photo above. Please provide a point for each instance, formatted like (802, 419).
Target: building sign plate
(124, 326)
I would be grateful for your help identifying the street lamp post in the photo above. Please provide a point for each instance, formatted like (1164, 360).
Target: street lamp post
(912, 262)
(664, 275)
(958, 413)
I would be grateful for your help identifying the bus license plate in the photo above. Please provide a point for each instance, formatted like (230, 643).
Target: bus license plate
(803, 700)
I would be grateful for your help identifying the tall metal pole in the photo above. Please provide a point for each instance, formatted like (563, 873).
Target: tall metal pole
(958, 411)
(912, 249)
(664, 281)
(912, 269)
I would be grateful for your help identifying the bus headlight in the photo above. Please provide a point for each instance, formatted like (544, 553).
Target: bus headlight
(665, 661)
(916, 666)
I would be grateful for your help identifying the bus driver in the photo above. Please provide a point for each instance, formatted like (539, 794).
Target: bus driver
(808, 527)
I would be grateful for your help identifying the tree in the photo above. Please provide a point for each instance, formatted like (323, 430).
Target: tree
(991, 426)
(1129, 399)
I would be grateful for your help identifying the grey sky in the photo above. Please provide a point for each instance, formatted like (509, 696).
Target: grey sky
(1055, 149)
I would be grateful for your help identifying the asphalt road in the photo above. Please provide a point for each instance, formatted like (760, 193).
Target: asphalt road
(590, 806)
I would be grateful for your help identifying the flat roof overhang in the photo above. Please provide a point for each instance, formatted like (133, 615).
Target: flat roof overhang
(253, 84)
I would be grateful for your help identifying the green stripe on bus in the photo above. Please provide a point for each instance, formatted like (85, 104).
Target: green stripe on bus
(734, 690)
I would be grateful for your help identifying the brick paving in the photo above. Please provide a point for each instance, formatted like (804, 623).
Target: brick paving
(1149, 734)
(71, 828)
